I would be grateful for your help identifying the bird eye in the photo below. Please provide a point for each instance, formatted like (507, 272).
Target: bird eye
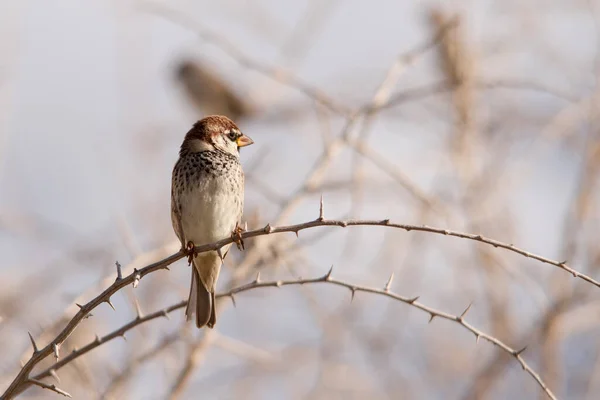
(232, 135)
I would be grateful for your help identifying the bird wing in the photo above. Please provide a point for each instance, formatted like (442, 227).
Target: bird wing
(176, 218)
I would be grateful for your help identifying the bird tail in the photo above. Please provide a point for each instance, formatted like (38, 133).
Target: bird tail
(199, 301)
(202, 298)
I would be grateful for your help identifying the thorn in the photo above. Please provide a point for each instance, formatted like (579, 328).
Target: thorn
(138, 309)
(123, 336)
(465, 312)
(167, 268)
(343, 224)
(119, 272)
(55, 350)
(562, 263)
(446, 232)
(278, 283)
(245, 225)
(220, 255)
(479, 237)
(296, 232)
(321, 210)
(257, 280)
(328, 276)
(386, 221)
(268, 228)
(111, 304)
(411, 301)
(518, 352)
(88, 315)
(477, 338)
(35, 348)
(98, 339)
(137, 276)
(53, 374)
(79, 305)
(389, 282)
(352, 291)
(166, 314)
(233, 300)
(431, 317)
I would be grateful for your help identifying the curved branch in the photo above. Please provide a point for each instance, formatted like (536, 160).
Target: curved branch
(21, 380)
(327, 278)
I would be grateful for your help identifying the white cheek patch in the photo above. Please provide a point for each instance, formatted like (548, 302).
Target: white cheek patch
(200, 145)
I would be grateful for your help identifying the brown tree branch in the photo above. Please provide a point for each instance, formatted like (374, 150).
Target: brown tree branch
(21, 380)
(328, 279)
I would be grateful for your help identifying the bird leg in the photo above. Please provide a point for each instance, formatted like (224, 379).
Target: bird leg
(191, 249)
(236, 235)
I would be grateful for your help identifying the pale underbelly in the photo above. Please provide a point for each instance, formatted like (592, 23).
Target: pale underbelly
(208, 218)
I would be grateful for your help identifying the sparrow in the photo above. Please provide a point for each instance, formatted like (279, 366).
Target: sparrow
(207, 200)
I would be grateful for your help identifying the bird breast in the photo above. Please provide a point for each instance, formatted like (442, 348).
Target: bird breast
(211, 198)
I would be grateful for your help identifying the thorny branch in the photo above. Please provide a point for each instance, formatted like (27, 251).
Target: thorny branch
(327, 278)
(22, 380)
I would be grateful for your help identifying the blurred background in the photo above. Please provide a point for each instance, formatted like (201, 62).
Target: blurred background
(474, 116)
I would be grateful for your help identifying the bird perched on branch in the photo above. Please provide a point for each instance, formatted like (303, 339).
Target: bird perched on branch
(207, 200)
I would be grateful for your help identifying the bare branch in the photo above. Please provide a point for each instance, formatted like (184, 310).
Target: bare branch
(21, 378)
(413, 302)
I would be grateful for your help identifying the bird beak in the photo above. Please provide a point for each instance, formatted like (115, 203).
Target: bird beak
(243, 141)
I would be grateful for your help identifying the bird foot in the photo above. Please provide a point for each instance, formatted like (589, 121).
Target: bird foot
(191, 249)
(236, 236)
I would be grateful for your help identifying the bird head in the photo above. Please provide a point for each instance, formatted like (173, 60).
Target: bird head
(215, 132)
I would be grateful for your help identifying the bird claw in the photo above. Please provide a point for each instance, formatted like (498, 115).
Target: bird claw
(236, 236)
(191, 249)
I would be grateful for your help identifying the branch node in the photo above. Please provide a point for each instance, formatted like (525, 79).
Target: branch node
(385, 221)
(343, 224)
(137, 276)
(388, 285)
(518, 352)
(464, 313)
(328, 275)
(110, 304)
(478, 237)
(55, 350)
(35, 348)
(119, 271)
(267, 229)
(321, 210)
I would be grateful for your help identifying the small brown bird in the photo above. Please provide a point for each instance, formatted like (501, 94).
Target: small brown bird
(209, 92)
(207, 200)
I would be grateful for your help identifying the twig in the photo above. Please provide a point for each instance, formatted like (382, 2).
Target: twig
(53, 388)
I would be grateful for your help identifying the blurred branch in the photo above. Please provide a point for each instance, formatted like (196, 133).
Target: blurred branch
(278, 74)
